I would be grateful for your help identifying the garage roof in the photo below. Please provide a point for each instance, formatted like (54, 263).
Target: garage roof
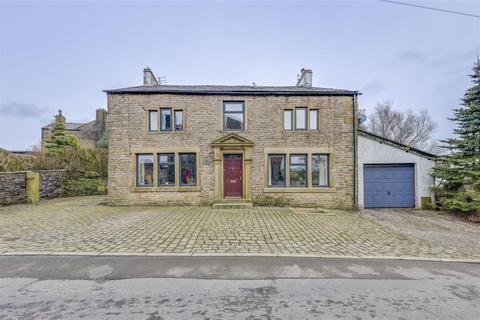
(396, 144)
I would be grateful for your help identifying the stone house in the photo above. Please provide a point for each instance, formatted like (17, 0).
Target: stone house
(88, 133)
(232, 145)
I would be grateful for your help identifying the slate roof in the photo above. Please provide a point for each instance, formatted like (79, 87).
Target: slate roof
(232, 90)
(68, 125)
(396, 144)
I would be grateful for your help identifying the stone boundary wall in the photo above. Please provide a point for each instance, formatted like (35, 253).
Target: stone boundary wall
(51, 183)
(14, 185)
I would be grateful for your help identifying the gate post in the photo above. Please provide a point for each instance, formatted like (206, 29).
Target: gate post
(33, 187)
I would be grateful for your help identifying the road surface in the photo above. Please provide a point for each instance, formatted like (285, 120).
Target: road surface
(77, 287)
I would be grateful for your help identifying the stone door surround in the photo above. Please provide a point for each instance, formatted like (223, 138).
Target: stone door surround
(233, 143)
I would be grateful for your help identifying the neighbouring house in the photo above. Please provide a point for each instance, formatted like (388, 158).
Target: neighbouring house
(391, 174)
(232, 145)
(88, 133)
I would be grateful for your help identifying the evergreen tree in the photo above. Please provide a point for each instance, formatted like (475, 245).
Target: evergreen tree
(458, 173)
(59, 139)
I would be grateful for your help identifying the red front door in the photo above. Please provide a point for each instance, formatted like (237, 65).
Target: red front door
(232, 175)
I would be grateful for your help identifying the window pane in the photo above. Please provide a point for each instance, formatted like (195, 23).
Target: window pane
(178, 120)
(320, 170)
(301, 118)
(166, 169)
(233, 121)
(276, 175)
(145, 170)
(233, 106)
(153, 120)
(188, 169)
(166, 119)
(287, 119)
(298, 170)
(313, 119)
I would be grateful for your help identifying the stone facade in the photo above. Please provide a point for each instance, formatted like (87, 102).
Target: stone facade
(13, 187)
(203, 124)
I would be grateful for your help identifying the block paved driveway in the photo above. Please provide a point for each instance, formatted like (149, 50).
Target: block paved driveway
(85, 225)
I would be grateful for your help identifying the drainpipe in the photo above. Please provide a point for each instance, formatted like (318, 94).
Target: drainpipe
(355, 202)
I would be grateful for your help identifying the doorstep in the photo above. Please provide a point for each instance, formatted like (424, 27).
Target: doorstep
(233, 204)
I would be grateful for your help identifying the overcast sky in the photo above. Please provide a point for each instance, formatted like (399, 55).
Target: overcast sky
(61, 55)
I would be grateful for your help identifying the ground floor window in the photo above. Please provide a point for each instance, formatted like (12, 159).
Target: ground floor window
(276, 172)
(144, 170)
(320, 170)
(298, 170)
(188, 169)
(166, 169)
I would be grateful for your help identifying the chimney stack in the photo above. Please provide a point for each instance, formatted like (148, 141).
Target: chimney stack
(59, 118)
(305, 78)
(149, 78)
(101, 116)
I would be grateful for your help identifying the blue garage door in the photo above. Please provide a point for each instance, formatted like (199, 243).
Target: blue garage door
(389, 185)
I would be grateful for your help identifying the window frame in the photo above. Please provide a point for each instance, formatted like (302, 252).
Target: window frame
(328, 170)
(269, 170)
(175, 120)
(291, 119)
(137, 167)
(169, 163)
(306, 155)
(180, 169)
(171, 120)
(150, 111)
(317, 118)
(233, 112)
(306, 118)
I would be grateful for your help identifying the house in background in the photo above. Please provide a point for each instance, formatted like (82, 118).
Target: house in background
(88, 133)
(232, 145)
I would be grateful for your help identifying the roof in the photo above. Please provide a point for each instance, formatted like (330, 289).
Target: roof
(396, 144)
(68, 125)
(232, 90)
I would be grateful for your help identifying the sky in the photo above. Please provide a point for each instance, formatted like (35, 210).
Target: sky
(61, 55)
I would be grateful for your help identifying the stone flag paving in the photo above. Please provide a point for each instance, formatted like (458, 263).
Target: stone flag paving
(85, 225)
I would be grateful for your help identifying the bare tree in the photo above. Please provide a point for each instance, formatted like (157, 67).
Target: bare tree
(412, 129)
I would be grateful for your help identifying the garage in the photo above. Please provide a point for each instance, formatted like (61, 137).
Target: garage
(391, 174)
(389, 185)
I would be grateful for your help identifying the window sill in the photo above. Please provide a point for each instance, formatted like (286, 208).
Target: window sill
(298, 190)
(166, 189)
(166, 131)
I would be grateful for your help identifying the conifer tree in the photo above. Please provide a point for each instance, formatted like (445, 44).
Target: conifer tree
(59, 139)
(458, 173)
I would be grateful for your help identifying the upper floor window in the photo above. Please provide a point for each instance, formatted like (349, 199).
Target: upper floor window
(313, 117)
(300, 118)
(166, 119)
(153, 120)
(233, 116)
(178, 115)
(287, 119)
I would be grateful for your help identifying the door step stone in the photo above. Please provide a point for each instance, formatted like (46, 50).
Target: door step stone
(233, 204)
